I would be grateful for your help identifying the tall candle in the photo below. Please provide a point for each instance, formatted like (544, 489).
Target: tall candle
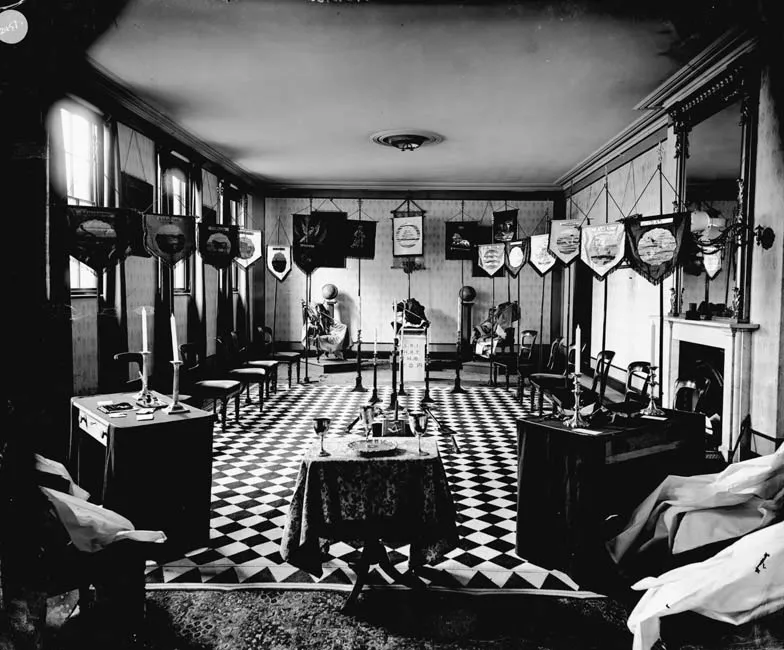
(653, 344)
(144, 330)
(577, 346)
(175, 348)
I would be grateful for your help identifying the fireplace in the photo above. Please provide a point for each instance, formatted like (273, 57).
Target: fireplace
(724, 344)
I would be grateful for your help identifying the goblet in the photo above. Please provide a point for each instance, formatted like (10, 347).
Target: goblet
(321, 426)
(366, 414)
(418, 422)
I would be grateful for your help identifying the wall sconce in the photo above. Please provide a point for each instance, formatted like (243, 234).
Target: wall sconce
(712, 233)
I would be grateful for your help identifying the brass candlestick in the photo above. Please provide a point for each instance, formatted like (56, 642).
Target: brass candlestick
(576, 420)
(652, 409)
(176, 406)
(144, 397)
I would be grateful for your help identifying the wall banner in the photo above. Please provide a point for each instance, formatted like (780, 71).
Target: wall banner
(279, 261)
(565, 239)
(97, 235)
(505, 225)
(319, 240)
(517, 253)
(361, 239)
(461, 237)
(218, 244)
(541, 259)
(407, 236)
(712, 263)
(169, 238)
(653, 244)
(603, 247)
(490, 257)
(249, 248)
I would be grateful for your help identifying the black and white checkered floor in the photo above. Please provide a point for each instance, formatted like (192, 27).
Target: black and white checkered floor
(255, 465)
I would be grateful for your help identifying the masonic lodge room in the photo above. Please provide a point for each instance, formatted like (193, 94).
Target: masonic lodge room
(393, 324)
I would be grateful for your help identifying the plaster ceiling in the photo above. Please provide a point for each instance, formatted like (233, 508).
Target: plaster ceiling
(292, 90)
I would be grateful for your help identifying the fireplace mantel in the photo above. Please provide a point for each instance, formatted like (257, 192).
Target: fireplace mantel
(735, 340)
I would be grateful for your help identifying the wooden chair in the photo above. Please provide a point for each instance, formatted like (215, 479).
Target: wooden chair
(525, 360)
(555, 372)
(593, 395)
(290, 358)
(636, 372)
(231, 367)
(687, 393)
(217, 390)
(132, 359)
(241, 357)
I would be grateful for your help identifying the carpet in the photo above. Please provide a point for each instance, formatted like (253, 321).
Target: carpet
(388, 620)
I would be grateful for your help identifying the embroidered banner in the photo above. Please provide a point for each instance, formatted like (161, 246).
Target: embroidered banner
(653, 244)
(505, 225)
(407, 236)
(249, 248)
(97, 235)
(461, 237)
(279, 261)
(603, 247)
(517, 253)
(712, 263)
(218, 244)
(490, 257)
(169, 238)
(540, 257)
(319, 240)
(565, 240)
(361, 239)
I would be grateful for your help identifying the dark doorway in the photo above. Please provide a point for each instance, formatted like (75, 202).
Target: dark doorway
(583, 304)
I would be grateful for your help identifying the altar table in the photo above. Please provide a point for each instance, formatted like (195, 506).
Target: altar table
(571, 480)
(157, 473)
(400, 499)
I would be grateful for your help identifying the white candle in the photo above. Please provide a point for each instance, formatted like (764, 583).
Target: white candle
(653, 344)
(375, 341)
(144, 330)
(577, 350)
(175, 348)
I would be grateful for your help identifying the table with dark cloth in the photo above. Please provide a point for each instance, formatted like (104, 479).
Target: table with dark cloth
(401, 499)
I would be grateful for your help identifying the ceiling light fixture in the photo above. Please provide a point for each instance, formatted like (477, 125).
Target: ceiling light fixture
(407, 140)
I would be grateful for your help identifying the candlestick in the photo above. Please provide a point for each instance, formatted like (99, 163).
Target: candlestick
(577, 346)
(576, 420)
(175, 348)
(653, 343)
(145, 348)
(652, 408)
(176, 406)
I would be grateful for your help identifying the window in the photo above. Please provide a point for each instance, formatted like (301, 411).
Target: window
(175, 201)
(81, 142)
(238, 217)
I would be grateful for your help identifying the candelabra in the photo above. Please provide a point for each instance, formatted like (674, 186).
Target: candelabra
(374, 395)
(458, 363)
(358, 387)
(576, 420)
(652, 409)
(427, 399)
(176, 406)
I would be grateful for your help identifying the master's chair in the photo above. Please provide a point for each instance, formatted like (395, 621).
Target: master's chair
(201, 388)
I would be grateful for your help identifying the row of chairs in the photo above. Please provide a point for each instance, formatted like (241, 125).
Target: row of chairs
(688, 393)
(234, 371)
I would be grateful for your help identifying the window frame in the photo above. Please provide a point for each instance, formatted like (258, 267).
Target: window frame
(172, 166)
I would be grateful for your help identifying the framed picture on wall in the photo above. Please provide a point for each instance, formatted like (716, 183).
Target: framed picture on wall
(407, 236)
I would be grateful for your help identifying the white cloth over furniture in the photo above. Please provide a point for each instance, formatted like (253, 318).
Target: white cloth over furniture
(743, 582)
(689, 512)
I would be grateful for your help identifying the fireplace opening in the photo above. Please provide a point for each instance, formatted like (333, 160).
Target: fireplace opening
(704, 363)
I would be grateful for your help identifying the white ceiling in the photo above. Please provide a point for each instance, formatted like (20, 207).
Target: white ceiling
(292, 90)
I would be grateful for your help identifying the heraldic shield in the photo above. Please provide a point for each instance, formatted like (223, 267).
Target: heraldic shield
(97, 235)
(169, 238)
(541, 259)
(249, 248)
(653, 244)
(565, 240)
(603, 247)
(517, 253)
(491, 257)
(218, 244)
(279, 261)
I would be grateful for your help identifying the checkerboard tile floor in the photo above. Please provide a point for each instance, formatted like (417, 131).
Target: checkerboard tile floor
(255, 465)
